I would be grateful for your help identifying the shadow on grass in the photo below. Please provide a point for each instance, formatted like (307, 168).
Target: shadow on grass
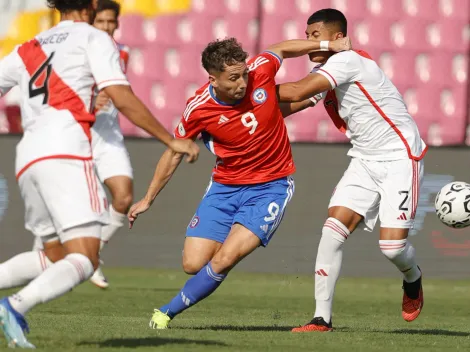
(149, 341)
(237, 328)
(435, 332)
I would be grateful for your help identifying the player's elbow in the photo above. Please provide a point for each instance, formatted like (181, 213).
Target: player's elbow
(121, 95)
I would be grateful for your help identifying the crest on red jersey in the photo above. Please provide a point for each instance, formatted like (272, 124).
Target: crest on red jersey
(260, 95)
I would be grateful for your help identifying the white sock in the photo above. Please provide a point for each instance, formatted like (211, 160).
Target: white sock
(38, 246)
(23, 268)
(116, 221)
(328, 266)
(402, 254)
(60, 278)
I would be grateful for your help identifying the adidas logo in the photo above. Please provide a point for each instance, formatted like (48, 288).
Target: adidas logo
(402, 217)
(264, 228)
(222, 119)
(321, 272)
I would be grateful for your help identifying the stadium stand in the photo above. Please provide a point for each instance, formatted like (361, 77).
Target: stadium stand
(422, 45)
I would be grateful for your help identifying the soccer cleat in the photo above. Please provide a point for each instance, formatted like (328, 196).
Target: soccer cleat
(317, 324)
(159, 320)
(413, 300)
(99, 279)
(13, 325)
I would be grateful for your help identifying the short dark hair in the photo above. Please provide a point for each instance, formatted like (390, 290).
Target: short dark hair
(69, 5)
(222, 52)
(104, 5)
(330, 16)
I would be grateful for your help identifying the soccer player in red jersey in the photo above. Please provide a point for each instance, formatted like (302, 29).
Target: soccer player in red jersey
(241, 122)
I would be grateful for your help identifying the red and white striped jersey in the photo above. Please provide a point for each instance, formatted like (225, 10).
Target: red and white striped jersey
(366, 106)
(57, 73)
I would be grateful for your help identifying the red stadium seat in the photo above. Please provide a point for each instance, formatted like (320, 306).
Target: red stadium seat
(183, 65)
(454, 9)
(278, 28)
(242, 7)
(423, 9)
(398, 67)
(130, 31)
(307, 7)
(293, 70)
(459, 72)
(371, 33)
(245, 29)
(146, 62)
(352, 9)
(410, 35)
(301, 126)
(162, 29)
(194, 28)
(208, 7)
(449, 35)
(384, 9)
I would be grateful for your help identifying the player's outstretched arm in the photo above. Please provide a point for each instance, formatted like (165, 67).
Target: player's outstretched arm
(307, 87)
(288, 109)
(165, 169)
(299, 47)
(130, 105)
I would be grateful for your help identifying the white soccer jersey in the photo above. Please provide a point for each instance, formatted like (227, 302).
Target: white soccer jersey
(57, 73)
(107, 124)
(366, 105)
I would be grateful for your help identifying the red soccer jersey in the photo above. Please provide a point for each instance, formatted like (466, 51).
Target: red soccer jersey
(249, 138)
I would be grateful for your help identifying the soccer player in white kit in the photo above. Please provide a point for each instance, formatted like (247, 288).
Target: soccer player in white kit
(64, 201)
(386, 169)
(110, 156)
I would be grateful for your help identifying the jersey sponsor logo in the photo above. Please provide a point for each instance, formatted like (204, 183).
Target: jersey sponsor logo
(260, 95)
(194, 222)
(181, 130)
(222, 119)
(3, 196)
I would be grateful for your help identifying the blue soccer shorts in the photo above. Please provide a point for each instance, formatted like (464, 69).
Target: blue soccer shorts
(260, 208)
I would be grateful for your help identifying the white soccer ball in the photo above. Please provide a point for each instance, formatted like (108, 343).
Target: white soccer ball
(453, 205)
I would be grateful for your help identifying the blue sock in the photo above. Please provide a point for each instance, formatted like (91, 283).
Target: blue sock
(196, 289)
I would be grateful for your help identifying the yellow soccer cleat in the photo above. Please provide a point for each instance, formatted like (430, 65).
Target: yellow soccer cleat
(159, 320)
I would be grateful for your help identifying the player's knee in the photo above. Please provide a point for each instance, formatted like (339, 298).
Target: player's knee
(393, 249)
(122, 202)
(335, 229)
(191, 266)
(223, 262)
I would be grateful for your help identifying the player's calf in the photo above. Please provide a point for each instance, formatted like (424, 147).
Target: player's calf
(402, 254)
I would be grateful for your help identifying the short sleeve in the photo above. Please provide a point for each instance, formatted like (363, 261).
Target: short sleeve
(105, 61)
(340, 69)
(267, 62)
(11, 68)
(189, 127)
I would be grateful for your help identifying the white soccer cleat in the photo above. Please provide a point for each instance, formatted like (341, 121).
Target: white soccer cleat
(99, 279)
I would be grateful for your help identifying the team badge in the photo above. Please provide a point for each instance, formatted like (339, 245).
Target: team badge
(194, 222)
(181, 130)
(260, 95)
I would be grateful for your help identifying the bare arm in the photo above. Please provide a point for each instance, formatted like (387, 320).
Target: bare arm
(127, 102)
(299, 47)
(288, 109)
(307, 87)
(165, 169)
(130, 105)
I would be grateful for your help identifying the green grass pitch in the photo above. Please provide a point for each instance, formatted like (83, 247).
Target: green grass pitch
(250, 312)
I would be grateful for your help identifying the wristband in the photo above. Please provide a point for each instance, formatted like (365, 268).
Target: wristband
(313, 100)
(324, 45)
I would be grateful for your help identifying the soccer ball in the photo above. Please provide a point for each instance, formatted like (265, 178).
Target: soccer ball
(453, 205)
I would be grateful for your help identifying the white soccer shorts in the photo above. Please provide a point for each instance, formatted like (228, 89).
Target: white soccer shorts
(110, 155)
(388, 190)
(60, 194)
